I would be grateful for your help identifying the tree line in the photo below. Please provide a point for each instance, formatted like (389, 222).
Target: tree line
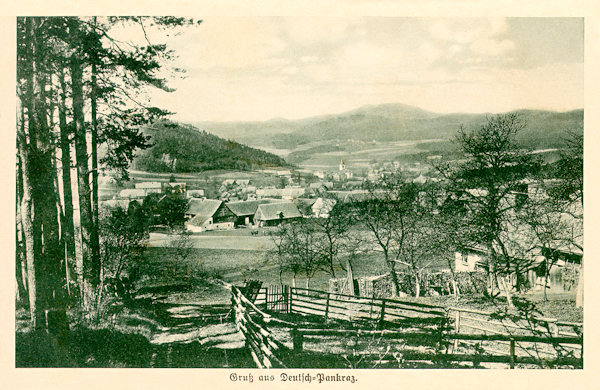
(497, 197)
(80, 107)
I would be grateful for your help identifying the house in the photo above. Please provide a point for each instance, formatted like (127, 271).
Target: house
(147, 185)
(289, 193)
(249, 190)
(244, 211)
(132, 193)
(208, 214)
(272, 214)
(531, 258)
(420, 179)
(268, 192)
(321, 186)
(304, 205)
(322, 207)
(469, 259)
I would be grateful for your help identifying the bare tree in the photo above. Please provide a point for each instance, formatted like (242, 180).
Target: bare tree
(298, 249)
(388, 214)
(494, 167)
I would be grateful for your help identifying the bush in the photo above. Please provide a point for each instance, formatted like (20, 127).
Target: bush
(431, 284)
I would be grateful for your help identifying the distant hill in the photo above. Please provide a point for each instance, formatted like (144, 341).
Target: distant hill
(392, 122)
(184, 148)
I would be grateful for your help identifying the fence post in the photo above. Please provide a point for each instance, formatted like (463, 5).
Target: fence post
(456, 329)
(298, 339)
(327, 307)
(266, 298)
(382, 316)
(291, 291)
(512, 354)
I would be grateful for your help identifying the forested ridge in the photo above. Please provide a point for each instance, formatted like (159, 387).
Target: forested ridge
(184, 148)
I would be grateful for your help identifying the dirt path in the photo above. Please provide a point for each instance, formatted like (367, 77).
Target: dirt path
(193, 332)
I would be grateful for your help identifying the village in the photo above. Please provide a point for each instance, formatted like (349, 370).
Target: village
(259, 210)
(396, 193)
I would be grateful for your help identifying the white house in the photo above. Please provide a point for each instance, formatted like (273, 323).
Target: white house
(322, 207)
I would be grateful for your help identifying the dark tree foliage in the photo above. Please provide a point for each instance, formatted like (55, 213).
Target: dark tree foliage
(168, 209)
(182, 148)
(123, 243)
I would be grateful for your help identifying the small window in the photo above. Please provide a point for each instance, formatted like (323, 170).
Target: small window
(464, 259)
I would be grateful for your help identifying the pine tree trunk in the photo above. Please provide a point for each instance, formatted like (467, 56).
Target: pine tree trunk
(27, 229)
(94, 236)
(50, 279)
(20, 265)
(68, 227)
(91, 263)
(40, 219)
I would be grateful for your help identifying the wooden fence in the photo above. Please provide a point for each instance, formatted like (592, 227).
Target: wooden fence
(438, 355)
(490, 323)
(384, 311)
(440, 335)
(254, 325)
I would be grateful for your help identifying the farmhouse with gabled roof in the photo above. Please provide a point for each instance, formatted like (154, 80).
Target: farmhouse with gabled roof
(272, 214)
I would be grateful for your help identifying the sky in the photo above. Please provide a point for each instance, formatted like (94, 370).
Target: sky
(257, 68)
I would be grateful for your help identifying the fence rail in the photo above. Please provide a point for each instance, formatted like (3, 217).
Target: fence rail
(253, 323)
(457, 334)
(285, 299)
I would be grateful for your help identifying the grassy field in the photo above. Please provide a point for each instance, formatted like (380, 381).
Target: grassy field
(236, 266)
(358, 155)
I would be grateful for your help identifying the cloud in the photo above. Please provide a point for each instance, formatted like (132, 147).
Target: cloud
(492, 47)
(466, 30)
(309, 31)
(257, 68)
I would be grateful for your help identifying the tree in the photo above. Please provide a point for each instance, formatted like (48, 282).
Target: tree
(495, 165)
(171, 209)
(388, 214)
(77, 57)
(89, 230)
(124, 235)
(297, 249)
(35, 144)
(339, 242)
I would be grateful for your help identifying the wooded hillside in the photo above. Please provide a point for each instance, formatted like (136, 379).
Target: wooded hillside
(183, 148)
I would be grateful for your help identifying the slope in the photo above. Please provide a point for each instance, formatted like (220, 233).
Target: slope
(183, 148)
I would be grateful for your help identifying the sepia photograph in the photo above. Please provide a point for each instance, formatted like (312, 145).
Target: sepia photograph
(299, 192)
